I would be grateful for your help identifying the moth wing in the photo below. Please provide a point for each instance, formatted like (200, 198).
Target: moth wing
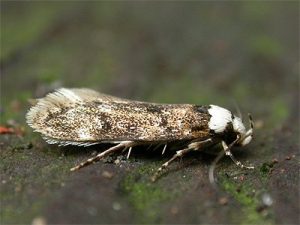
(70, 96)
(88, 95)
(63, 98)
(65, 117)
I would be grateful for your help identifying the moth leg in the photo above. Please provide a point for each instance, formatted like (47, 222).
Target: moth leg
(228, 153)
(179, 153)
(150, 145)
(124, 144)
(197, 145)
(164, 149)
(129, 151)
(156, 147)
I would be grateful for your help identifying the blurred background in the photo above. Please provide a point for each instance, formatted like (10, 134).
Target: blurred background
(171, 52)
(193, 52)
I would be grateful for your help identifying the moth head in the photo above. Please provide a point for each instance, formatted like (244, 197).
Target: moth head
(225, 124)
(245, 136)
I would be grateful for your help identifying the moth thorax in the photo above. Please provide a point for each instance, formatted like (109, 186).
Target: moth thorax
(220, 119)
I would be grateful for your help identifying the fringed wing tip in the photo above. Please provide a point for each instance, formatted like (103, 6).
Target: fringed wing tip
(63, 143)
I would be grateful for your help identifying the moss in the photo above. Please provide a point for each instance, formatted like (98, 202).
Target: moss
(14, 214)
(144, 196)
(247, 196)
(265, 169)
(25, 191)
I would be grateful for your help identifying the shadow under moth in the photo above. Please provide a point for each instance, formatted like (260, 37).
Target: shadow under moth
(84, 117)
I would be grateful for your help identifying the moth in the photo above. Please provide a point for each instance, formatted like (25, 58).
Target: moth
(84, 117)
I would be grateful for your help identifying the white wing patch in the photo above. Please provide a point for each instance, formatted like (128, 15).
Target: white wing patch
(219, 118)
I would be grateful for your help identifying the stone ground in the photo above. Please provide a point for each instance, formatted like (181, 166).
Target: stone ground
(192, 52)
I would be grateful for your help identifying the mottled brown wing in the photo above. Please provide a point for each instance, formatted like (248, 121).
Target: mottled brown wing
(84, 117)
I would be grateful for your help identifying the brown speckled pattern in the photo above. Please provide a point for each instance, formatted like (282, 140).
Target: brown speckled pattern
(95, 117)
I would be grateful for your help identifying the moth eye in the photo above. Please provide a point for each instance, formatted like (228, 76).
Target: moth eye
(232, 116)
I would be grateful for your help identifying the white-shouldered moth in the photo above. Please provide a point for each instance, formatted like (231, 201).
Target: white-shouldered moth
(85, 117)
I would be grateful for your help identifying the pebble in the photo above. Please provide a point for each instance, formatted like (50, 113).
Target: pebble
(223, 201)
(116, 206)
(267, 199)
(174, 210)
(117, 161)
(39, 221)
(107, 174)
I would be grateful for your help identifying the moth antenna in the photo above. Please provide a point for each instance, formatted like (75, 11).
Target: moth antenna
(238, 110)
(212, 168)
(251, 121)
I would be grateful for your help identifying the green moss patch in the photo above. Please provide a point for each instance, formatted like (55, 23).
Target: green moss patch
(144, 196)
(246, 195)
